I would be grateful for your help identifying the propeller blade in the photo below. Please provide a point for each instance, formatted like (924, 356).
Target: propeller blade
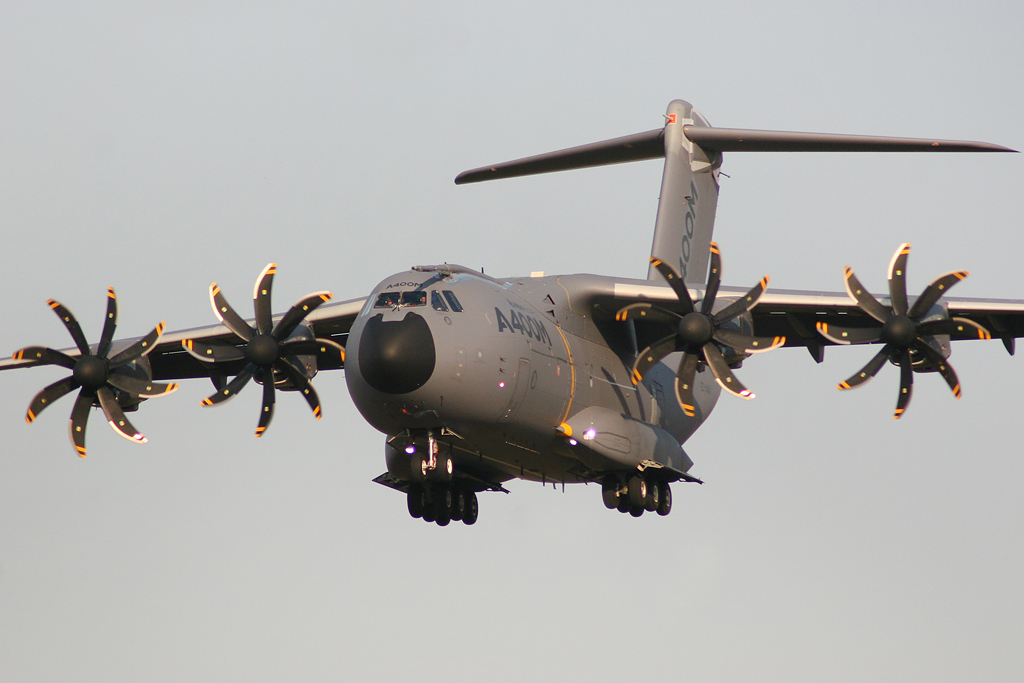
(863, 299)
(723, 375)
(109, 325)
(849, 335)
(267, 412)
(746, 342)
(676, 282)
(140, 388)
(940, 364)
(961, 328)
(297, 313)
(44, 356)
(898, 279)
(48, 395)
(228, 316)
(116, 417)
(138, 349)
(304, 385)
(906, 384)
(79, 418)
(651, 356)
(645, 311)
(932, 293)
(868, 371)
(212, 353)
(743, 305)
(261, 299)
(233, 387)
(684, 383)
(72, 324)
(714, 280)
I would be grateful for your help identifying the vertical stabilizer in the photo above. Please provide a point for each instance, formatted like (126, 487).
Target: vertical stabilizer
(689, 198)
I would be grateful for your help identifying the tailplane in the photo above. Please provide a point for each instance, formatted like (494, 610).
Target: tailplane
(692, 150)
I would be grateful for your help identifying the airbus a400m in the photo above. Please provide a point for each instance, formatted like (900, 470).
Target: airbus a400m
(567, 379)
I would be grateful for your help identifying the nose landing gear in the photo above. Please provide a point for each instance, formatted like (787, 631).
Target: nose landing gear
(434, 465)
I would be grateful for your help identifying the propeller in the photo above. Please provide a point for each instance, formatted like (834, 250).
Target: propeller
(902, 329)
(699, 333)
(103, 380)
(268, 348)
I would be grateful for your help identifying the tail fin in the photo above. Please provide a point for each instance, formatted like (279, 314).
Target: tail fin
(688, 200)
(689, 187)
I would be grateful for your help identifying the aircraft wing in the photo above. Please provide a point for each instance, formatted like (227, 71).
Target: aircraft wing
(170, 361)
(795, 314)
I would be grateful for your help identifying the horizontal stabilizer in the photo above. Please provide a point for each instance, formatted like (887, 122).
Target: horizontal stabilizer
(636, 147)
(651, 145)
(741, 140)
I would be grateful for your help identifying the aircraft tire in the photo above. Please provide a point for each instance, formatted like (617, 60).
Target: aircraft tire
(610, 491)
(472, 511)
(623, 504)
(637, 491)
(665, 504)
(418, 468)
(636, 510)
(444, 500)
(429, 515)
(653, 496)
(444, 470)
(414, 498)
(458, 505)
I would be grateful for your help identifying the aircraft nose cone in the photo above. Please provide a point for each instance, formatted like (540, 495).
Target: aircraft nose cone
(396, 357)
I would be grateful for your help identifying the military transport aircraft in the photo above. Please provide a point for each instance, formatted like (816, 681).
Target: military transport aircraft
(477, 380)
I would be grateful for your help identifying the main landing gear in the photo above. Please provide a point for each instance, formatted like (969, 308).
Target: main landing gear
(636, 494)
(442, 502)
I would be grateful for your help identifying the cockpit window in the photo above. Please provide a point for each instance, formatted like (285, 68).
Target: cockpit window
(387, 300)
(417, 298)
(452, 301)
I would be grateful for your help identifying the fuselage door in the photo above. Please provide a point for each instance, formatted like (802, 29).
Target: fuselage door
(521, 384)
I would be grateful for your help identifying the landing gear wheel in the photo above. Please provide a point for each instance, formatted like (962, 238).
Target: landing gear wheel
(637, 491)
(472, 510)
(610, 491)
(445, 468)
(443, 502)
(653, 496)
(418, 468)
(665, 504)
(415, 500)
(623, 505)
(458, 505)
(636, 510)
(429, 513)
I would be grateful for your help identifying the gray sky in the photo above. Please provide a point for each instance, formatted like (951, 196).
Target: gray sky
(157, 147)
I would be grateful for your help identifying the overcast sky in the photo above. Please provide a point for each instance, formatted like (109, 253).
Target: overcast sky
(157, 147)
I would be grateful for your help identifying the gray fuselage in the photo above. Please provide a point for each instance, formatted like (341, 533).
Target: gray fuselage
(501, 380)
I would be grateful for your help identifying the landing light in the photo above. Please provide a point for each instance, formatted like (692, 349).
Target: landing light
(573, 442)
(501, 385)
(410, 449)
(590, 434)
